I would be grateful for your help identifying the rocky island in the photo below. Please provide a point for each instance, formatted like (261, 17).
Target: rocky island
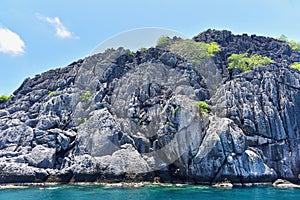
(179, 112)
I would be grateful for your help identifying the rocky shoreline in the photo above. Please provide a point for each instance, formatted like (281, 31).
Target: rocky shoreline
(277, 184)
(132, 117)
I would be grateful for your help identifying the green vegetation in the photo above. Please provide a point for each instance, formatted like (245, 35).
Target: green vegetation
(163, 39)
(245, 63)
(258, 60)
(86, 96)
(176, 110)
(238, 61)
(203, 107)
(283, 38)
(211, 48)
(293, 44)
(51, 93)
(143, 49)
(81, 120)
(4, 98)
(131, 53)
(296, 65)
(194, 51)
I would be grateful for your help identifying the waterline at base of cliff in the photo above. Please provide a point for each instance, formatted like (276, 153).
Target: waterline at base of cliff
(149, 192)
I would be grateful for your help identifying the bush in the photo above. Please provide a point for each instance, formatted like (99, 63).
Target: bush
(86, 96)
(283, 38)
(143, 49)
(238, 61)
(245, 63)
(131, 53)
(212, 48)
(163, 39)
(81, 120)
(4, 98)
(294, 45)
(203, 107)
(51, 93)
(194, 51)
(296, 66)
(258, 60)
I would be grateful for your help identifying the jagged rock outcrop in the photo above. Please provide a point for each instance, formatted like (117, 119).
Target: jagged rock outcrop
(278, 51)
(264, 103)
(121, 117)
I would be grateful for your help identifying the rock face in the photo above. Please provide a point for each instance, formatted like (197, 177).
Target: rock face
(120, 117)
(264, 103)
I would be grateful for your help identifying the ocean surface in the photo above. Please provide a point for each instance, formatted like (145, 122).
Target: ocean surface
(73, 192)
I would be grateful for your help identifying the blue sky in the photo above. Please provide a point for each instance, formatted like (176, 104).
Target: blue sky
(39, 35)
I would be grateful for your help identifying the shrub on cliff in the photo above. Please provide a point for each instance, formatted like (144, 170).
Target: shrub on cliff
(163, 39)
(194, 51)
(212, 48)
(295, 46)
(238, 61)
(81, 120)
(258, 60)
(4, 98)
(296, 66)
(203, 107)
(86, 96)
(245, 63)
(143, 49)
(283, 38)
(51, 93)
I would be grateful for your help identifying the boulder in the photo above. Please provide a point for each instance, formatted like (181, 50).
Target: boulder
(280, 183)
(41, 157)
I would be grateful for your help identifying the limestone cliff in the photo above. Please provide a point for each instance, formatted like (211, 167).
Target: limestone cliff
(119, 116)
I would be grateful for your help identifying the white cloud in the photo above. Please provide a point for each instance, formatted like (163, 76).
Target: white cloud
(11, 42)
(61, 30)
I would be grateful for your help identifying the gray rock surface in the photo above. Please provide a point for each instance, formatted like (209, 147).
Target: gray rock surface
(264, 104)
(41, 157)
(120, 117)
(284, 184)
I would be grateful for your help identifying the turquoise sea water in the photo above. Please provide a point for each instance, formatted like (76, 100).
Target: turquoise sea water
(71, 192)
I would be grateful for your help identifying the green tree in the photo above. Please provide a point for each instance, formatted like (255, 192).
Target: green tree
(194, 51)
(238, 61)
(212, 48)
